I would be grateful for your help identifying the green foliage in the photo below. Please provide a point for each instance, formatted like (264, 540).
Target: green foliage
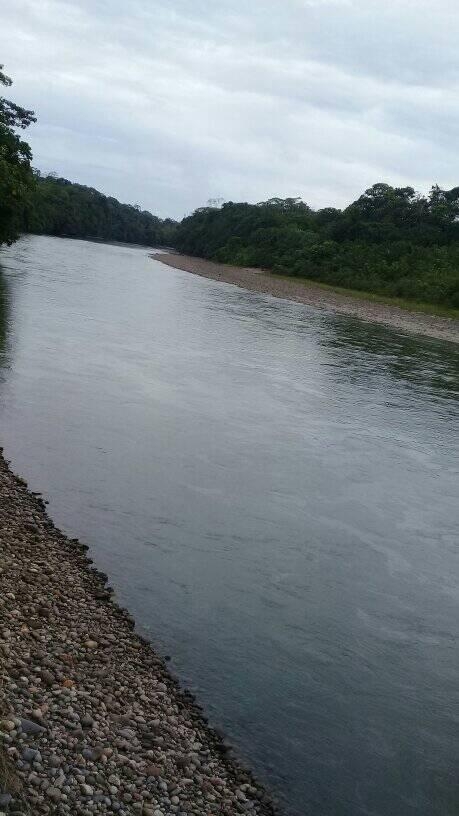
(55, 206)
(391, 241)
(59, 207)
(16, 179)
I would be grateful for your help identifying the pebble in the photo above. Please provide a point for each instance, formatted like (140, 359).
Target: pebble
(31, 755)
(54, 793)
(153, 770)
(99, 726)
(31, 727)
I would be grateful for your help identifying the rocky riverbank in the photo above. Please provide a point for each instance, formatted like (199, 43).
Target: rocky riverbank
(440, 328)
(91, 722)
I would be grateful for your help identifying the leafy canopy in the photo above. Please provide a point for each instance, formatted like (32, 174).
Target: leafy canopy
(16, 178)
(391, 240)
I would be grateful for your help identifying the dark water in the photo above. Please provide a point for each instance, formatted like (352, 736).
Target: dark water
(273, 491)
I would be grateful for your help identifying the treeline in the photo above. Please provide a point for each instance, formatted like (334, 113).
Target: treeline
(56, 206)
(391, 241)
(30, 202)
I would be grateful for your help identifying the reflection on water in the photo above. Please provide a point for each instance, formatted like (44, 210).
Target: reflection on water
(430, 366)
(359, 350)
(273, 491)
(4, 313)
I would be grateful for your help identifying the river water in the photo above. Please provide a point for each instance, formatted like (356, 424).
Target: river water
(273, 492)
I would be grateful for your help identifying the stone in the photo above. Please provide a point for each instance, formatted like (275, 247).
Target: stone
(153, 770)
(79, 666)
(54, 793)
(91, 644)
(31, 727)
(127, 733)
(47, 677)
(31, 755)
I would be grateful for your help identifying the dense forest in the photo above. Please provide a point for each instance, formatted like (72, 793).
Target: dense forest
(391, 241)
(30, 202)
(59, 207)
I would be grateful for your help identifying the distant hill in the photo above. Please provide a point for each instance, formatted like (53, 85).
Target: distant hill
(57, 206)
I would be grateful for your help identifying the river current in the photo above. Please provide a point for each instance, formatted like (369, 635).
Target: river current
(273, 491)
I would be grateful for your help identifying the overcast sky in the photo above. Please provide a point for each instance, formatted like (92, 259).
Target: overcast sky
(167, 103)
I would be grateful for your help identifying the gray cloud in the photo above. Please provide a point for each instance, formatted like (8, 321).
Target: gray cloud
(167, 103)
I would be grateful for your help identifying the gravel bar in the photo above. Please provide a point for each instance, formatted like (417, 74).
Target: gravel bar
(91, 721)
(440, 328)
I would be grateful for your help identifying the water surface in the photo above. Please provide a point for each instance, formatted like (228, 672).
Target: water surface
(273, 492)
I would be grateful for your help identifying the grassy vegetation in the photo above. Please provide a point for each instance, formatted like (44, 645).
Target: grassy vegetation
(374, 297)
(8, 778)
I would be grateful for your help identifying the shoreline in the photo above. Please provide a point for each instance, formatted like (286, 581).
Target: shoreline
(312, 294)
(91, 720)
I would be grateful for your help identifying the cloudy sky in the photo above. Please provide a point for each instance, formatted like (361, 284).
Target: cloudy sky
(167, 103)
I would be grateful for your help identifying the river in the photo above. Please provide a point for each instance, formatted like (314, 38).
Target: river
(273, 492)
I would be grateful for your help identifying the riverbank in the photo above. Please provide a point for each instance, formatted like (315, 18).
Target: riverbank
(313, 294)
(91, 721)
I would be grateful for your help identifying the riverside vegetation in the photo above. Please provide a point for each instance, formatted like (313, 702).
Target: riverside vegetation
(391, 241)
(30, 202)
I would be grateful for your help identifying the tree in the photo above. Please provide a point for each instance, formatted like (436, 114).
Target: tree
(57, 206)
(16, 177)
(392, 240)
